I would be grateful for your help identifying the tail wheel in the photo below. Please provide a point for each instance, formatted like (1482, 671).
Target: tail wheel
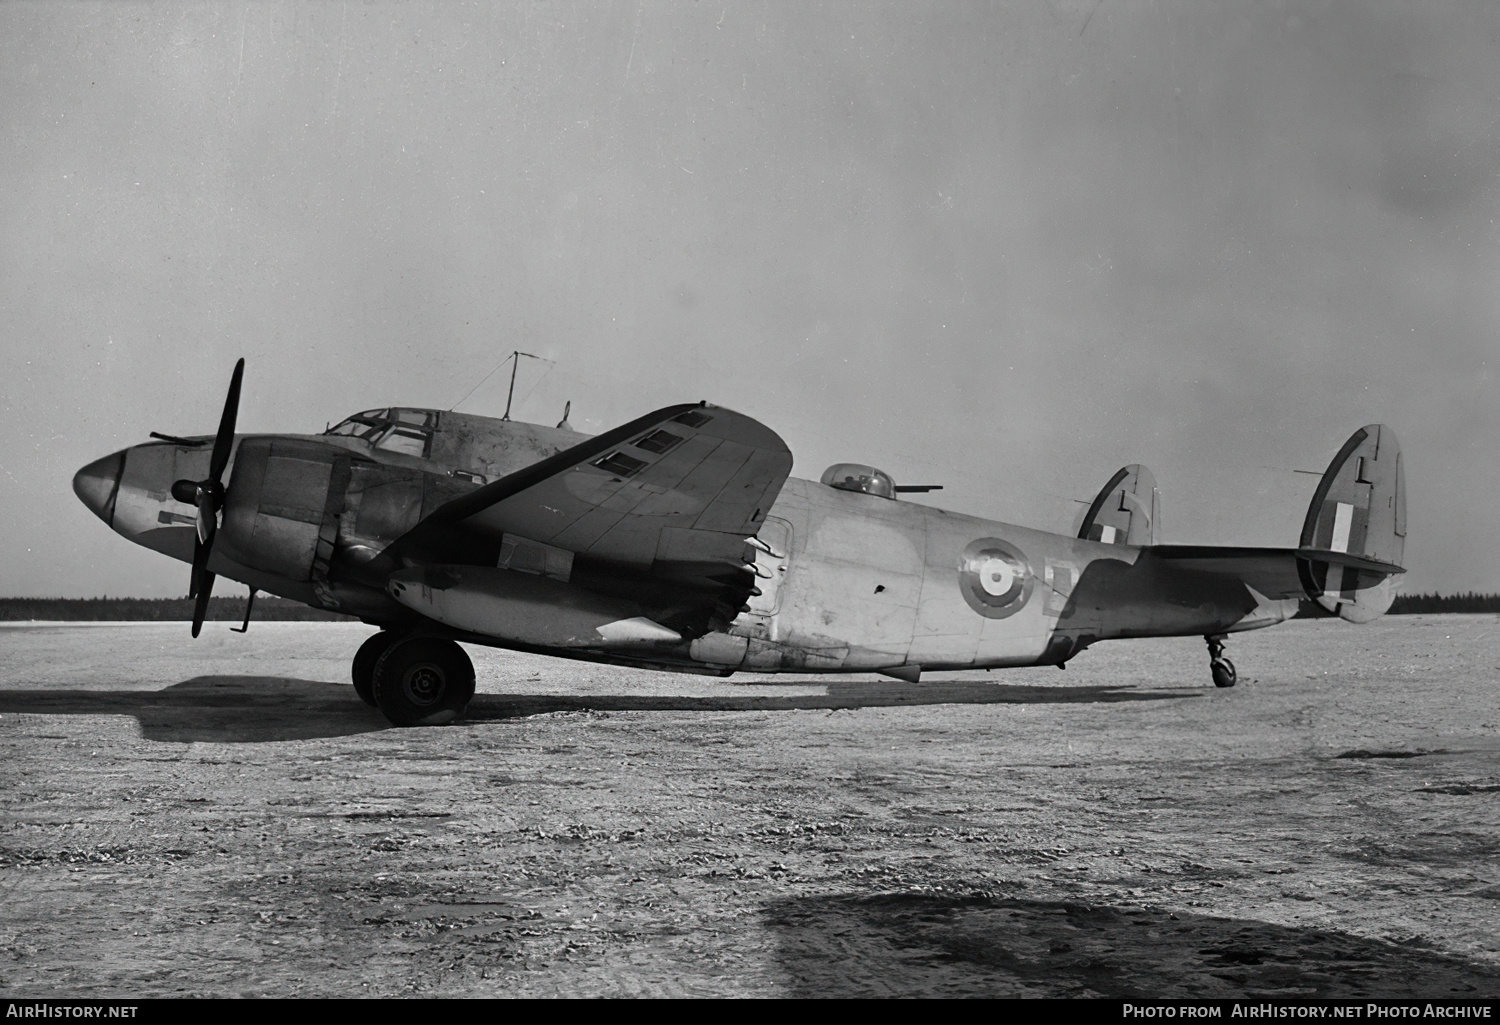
(1221, 668)
(363, 669)
(1223, 672)
(423, 681)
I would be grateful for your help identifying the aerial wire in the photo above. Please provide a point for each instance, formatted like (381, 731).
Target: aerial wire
(511, 356)
(483, 379)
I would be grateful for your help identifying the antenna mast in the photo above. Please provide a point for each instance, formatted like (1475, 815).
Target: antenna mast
(514, 366)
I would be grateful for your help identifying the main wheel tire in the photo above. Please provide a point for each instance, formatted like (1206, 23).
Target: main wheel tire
(363, 669)
(423, 681)
(1223, 672)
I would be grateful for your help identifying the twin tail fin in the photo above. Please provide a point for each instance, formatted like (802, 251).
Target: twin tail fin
(1127, 511)
(1352, 541)
(1359, 509)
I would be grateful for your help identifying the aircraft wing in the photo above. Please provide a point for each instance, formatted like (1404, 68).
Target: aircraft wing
(669, 498)
(1274, 572)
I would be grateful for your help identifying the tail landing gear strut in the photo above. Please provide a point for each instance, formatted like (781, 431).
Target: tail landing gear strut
(1221, 668)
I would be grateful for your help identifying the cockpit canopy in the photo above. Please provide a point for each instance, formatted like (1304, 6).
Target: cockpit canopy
(858, 477)
(405, 431)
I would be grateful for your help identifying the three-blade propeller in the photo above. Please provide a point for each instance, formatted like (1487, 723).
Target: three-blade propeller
(208, 495)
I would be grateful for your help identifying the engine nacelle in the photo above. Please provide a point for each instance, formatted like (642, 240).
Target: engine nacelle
(282, 509)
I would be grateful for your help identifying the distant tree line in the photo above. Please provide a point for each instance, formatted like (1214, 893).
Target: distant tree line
(163, 609)
(1418, 604)
(1409, 604)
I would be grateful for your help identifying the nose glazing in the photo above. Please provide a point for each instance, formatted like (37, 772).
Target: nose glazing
(98, 483)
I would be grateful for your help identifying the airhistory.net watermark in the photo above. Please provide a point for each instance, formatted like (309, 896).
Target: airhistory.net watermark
(39, 1009)
(1260, 1009)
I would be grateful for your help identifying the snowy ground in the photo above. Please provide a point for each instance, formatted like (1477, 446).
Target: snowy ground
(224, 817)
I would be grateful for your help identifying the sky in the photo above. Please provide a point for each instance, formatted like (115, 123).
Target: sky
(1006, 248)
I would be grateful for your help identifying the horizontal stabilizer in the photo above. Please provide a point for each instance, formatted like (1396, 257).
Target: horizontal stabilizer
(1278, 572)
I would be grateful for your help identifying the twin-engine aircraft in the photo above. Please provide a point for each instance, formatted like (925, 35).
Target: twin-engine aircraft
(678, 541)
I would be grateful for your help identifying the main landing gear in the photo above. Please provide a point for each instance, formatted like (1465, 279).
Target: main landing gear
(414, 679)
(1221, 668)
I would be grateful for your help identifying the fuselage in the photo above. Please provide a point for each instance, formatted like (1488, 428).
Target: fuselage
(849, 581)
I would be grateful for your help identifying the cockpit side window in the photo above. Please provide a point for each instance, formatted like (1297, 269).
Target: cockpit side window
(404, 440)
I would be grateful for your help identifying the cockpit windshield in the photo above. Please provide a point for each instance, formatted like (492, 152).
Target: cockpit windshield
(407, 431)
(361, 425)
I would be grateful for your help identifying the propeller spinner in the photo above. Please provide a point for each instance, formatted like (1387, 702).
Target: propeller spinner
(208, 496)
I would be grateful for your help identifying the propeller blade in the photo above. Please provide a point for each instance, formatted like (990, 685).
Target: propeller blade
(200, 575)
(200, 606)
(224, 440)
(202, 585)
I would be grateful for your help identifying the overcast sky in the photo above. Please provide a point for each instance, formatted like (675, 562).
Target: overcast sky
(1006, 248)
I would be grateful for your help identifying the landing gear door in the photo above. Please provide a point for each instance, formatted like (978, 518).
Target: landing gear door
(771, 566)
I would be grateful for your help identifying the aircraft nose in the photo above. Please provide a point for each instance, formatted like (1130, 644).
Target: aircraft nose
(97, 484)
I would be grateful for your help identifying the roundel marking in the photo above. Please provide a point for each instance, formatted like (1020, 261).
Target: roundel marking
(995, 578)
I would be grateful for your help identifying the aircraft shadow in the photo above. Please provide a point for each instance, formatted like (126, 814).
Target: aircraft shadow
(839, 696)
(931, 945)
(260, 709)
(217, 709)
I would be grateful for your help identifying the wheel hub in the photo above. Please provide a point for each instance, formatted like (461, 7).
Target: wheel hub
(423, 683)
